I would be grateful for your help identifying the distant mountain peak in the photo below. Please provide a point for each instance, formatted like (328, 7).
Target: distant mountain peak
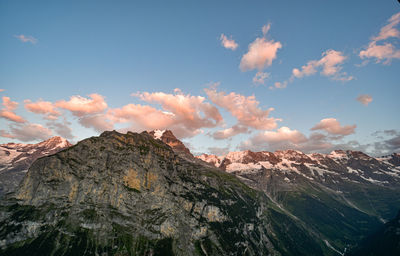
(55, 141)
(16, 158)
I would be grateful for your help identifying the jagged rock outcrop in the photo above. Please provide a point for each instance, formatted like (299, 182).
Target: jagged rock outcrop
(129, 194)
(15, 159)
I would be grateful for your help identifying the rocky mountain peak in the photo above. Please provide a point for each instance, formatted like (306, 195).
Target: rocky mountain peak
(55, 142)
(169, 138)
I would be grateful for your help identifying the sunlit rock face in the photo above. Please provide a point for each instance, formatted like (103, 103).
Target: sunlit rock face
(15, 159)
(131, 194)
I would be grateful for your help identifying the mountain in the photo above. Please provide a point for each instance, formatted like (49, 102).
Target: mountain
(146, 194)
(169, 138)
(15, 159)
(385, 241)
(342, 196)
(131, 194)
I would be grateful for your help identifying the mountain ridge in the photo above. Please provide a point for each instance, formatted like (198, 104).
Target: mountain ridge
(15, 159)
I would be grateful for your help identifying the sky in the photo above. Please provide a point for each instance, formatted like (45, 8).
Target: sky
(314, 76)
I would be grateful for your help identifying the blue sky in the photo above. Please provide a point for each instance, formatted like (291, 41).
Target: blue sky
(54, 50)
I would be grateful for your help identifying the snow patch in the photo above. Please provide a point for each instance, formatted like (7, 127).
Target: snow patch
(158, 134)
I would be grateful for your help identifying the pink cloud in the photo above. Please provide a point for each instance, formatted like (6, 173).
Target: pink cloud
(332, 126)
(184, 114)
(11, 116)
(146, 117)
(283, 134)
(5, 134)
(330, 65)
(389, 30)
(43, 107)
(285, 138)
(260, 53)
(229, 132)
(186, 108)
(8, 111)
(280, 85)
(26, 39)
(80, 106)
(245, 109)
(228, 43)
(2, 90)
(260, 77)
(385, 52)
(365, 99)
(9, 104)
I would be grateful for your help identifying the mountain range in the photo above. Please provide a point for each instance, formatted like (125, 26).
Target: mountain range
(146, 194)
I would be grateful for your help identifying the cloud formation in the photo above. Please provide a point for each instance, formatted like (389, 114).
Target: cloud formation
(244, 109)
(286, 138)
(184, 114)
(330, 65)
(229, 132)
(228, 43)
(28, 132)
(26, 39)
(62, 129)
(42, 107)
(80, 106)
(260, 77)
(260, 53)
(7, 112)
(364, 99)
(384, 52)
(332, 126)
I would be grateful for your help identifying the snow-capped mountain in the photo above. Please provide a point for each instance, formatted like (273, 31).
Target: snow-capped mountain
(331, 168)
(15, 159)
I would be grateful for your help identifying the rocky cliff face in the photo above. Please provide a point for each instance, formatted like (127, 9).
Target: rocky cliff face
(15, 160)
(129, 194)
